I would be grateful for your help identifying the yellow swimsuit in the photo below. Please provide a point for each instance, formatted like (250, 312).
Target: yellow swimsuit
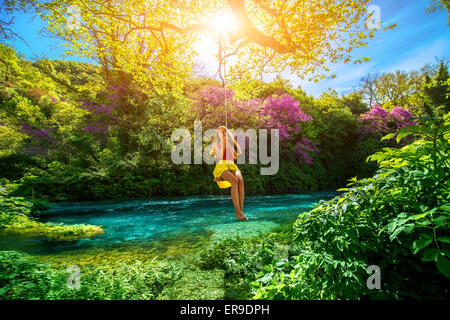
(221, 166)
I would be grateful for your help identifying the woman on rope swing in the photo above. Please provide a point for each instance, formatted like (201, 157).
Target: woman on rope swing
(226, 172)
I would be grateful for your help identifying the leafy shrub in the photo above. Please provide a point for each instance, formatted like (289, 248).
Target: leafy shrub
(16, 217)
(215, 256)
(39, 207)
(242, 260)
(22, 278)
(14, 166)
(12, 209)
(397, 219)
(128, 281)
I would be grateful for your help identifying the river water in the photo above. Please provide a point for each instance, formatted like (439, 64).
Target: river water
(150, 222)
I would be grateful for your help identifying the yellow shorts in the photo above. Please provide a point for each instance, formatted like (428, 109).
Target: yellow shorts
(222, 166)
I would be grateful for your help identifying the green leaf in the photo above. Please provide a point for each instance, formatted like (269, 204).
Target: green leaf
(420, 216)
(388, 136)
(419, 245)
(440, 221)
(266, 277)
(443, 266)
(401, 135)
(430, 255)
(444, 239)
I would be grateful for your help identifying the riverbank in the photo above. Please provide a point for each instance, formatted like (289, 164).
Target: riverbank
(159, 219)
(168, 268)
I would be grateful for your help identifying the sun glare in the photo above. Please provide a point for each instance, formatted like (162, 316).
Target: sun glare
(223, 22)
(206, 45)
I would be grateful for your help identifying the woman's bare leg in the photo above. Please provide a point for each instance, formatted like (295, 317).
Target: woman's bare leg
(241, 191)
(231, 178)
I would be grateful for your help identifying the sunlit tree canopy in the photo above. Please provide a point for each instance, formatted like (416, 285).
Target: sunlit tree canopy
(154, 40)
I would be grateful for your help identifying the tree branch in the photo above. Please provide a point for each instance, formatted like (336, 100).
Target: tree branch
(248, 30)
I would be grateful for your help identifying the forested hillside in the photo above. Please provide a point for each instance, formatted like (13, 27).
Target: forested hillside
(66, 134)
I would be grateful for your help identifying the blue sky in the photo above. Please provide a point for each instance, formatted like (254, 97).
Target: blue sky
(418, 38)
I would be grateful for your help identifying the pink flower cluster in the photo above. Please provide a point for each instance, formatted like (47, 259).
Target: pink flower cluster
(284, 114)
(379, 121)
(209, 107)
(305, 146)
(279, 111)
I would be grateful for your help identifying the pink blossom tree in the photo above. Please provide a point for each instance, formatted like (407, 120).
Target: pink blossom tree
(378, 121)
(280, 112)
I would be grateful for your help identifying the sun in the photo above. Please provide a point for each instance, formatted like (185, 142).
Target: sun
(223, 22)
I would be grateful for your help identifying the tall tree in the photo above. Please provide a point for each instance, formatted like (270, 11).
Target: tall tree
(437, 91)
(393, 89)
(153, 40)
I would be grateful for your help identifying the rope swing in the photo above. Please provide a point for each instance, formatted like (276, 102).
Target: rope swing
(222, 183)
(222, 58)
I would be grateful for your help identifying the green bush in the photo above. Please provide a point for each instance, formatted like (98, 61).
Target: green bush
(243, 259)
(398, 220)
(22, 278)
(16, 216)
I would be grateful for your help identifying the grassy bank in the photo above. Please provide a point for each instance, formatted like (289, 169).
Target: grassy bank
(18, 216)
(222, 270)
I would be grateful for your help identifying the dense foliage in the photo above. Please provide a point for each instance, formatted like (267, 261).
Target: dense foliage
(398, 220)
(74, 137)
(23, 278)
(225, 270)
(152, 41)
(18, 216)
(75, 131)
